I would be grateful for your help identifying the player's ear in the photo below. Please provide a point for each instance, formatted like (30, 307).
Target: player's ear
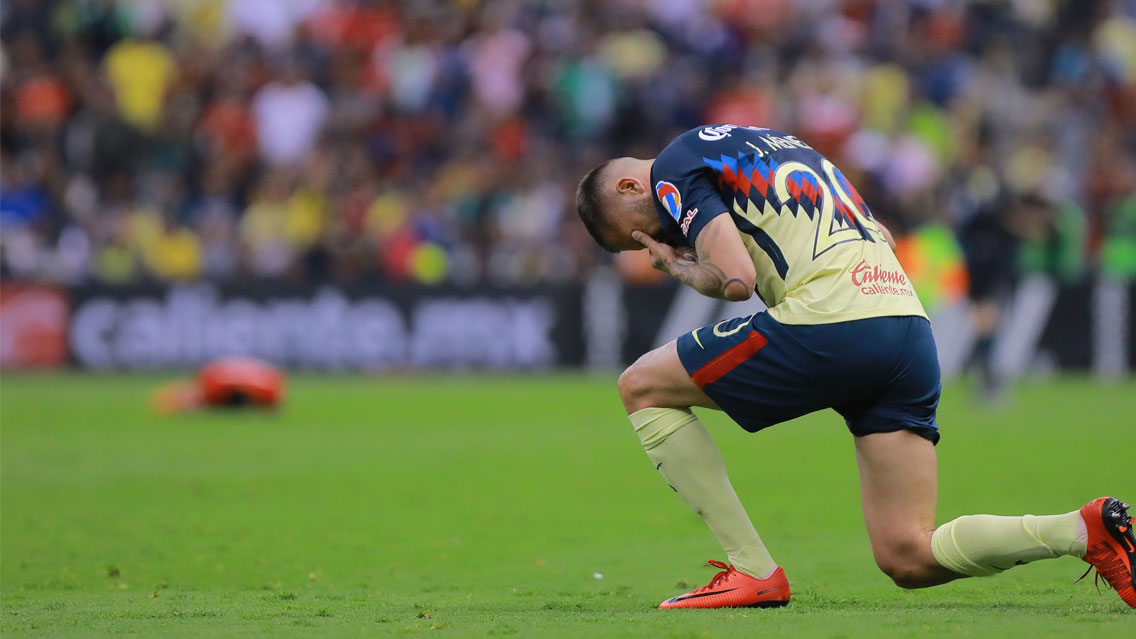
(629, 186)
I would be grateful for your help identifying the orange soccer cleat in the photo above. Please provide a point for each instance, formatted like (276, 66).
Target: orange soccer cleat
(732, 588)
(1111, 545)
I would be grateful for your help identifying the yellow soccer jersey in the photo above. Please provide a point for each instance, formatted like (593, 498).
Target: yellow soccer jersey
(819, 256)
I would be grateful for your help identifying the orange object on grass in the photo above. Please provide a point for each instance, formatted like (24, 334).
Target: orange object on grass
(228, 382)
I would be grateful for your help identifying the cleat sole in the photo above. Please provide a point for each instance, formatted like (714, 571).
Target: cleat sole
(1112, 546)
(768, 604)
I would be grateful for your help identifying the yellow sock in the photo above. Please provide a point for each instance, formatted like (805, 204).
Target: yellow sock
(981, 545)
(683, 451)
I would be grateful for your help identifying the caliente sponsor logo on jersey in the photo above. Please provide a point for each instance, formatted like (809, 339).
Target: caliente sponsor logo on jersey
(874, 280)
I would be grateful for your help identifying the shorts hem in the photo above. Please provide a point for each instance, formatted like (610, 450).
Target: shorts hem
(930, 433)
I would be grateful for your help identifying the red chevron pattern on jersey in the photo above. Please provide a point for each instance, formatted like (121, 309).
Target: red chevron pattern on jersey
(750, 178)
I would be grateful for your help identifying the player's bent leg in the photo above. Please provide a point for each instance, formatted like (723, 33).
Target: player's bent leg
(659, 380)
(1100, 532)
(658, 393)
(898, 472)
(899, 490)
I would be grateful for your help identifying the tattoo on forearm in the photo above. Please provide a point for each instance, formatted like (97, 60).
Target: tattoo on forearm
(732, 280)
(706, 278)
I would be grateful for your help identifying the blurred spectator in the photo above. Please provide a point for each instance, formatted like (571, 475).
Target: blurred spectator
(288, 113)
(140, 71)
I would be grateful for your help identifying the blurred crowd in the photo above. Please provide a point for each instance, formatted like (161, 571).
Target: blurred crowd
(441, 140)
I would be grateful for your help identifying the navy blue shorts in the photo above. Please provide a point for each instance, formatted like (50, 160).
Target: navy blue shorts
(881, 374)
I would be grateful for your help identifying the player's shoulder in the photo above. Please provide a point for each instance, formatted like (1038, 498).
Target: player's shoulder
(711, 140)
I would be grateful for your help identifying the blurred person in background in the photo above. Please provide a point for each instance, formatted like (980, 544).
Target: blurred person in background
(288, 114)
(988, 238)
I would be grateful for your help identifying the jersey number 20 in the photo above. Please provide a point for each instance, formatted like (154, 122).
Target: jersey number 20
(833, 226)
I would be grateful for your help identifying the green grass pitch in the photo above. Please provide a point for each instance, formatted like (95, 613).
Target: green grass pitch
(491, 506)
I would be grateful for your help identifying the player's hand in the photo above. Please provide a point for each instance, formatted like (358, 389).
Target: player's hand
(664, 256)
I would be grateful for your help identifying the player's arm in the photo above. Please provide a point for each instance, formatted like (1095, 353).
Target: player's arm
(886, 233)
(720, 267)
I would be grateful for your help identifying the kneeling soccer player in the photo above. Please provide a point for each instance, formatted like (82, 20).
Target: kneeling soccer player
(729, 210)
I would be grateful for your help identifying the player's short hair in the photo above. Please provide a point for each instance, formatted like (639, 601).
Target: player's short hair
(590, 204)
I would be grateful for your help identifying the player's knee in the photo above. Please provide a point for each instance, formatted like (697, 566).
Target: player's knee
(905, 574)
(635, 388)
(903, 560)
